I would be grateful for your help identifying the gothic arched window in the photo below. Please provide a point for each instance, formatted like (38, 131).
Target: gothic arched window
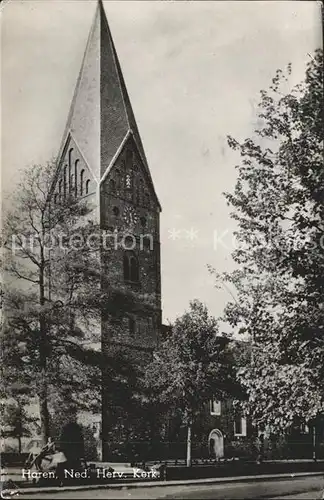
(134, 271)
(70, 157)
(76, 175)
(87, 186)
(65, 181)
(126, 268)
(70, 168)
(131, 267)
(81, 182)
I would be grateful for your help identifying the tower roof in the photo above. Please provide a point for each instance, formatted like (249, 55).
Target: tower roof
(101, 114)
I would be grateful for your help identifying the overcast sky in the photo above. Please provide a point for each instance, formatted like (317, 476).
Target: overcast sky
(193, 70)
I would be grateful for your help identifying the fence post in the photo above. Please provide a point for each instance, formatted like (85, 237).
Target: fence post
(314, 442)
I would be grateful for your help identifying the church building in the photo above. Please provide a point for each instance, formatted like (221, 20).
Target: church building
(102, 159)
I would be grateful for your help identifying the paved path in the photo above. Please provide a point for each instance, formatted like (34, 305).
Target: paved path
(310, 487)
(311, 495)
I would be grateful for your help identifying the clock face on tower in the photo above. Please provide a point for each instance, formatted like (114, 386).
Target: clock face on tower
(130, 216)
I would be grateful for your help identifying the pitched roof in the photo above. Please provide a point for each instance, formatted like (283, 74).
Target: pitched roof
(101, 113)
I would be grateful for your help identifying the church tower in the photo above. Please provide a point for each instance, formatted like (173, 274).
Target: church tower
(102, 157)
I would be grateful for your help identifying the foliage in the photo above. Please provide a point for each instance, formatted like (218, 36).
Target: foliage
(15, 421)
(278, 205)
(192, 365)
(54, 297)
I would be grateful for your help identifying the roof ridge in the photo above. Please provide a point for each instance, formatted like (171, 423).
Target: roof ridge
(114, 53)
(77, 85)
(129, 113)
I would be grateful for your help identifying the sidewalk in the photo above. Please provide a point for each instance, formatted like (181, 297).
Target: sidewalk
(166, 484)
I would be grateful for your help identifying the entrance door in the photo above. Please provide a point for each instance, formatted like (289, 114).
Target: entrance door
(216, 444)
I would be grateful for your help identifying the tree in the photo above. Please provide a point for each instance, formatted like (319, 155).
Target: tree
(15, 421)
(191, 367)
(278, 205)
(52, 321)
(29, 313)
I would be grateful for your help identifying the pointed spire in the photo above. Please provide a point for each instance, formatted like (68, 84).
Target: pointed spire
(101, 113)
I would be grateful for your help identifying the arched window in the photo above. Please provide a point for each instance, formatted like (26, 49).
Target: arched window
(81, 182)
(76, 176)
(70, 157)
(88, 186)
(72, 183)
(126, 268)
(134, 272)
(70, 169)
(55, 198)
(112, 186)
(65, 181)
(116, 211)
(131, 268)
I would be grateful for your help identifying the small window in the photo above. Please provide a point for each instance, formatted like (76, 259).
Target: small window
(240, 426)
(60, 188)
(147, 242)
(215, 407)
(116, 211)
(88, 186)
(81, 182)
(143, 221)
(147, 200)
(55, 198)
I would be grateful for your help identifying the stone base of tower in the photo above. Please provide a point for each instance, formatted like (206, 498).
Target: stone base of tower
(127, 418)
